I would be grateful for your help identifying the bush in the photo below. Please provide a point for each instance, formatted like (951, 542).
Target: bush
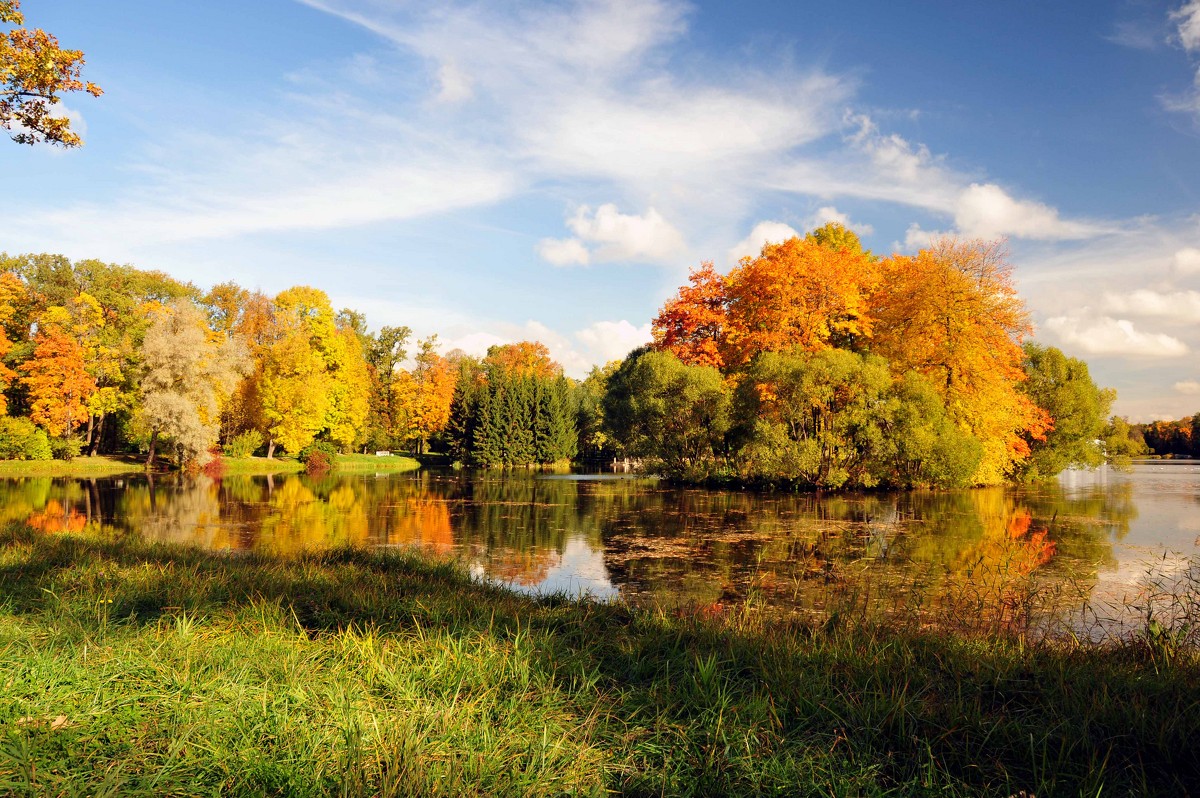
(65, 449)
(318, 457)
(245, 444)
(20, 439)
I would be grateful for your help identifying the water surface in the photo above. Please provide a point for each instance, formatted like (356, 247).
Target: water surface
(1000, 556)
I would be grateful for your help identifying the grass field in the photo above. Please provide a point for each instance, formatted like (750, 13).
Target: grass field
(130, 669)
(80, 466)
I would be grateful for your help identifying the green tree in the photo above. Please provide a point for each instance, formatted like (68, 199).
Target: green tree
(1062, 386)
(672, 414)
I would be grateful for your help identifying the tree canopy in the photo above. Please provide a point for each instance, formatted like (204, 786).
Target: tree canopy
(34, 72)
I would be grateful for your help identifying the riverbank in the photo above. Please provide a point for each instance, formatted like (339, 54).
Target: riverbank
(147, 670)
(100, 465)
(108, 465)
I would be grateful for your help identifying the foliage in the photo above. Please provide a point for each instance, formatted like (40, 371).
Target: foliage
(1063, 388)
(318, 457)
(34, 71)
(188, 375)
(57, 376)
(952, 314)
(21, 440)
(422, 398)
(670, 413)
(1122, 441)
(1177, 438)
(244, 444)
(514, 408)
(835, 419)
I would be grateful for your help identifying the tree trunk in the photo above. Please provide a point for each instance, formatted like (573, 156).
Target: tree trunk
(90, 432)
(153, 443)
(271, 449)
(96, 436)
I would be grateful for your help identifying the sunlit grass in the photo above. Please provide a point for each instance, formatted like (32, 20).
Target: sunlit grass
(131, 669)
(79, 466)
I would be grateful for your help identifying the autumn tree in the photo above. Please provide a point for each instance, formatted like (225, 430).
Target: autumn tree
(188, 373)
(952, 314)
(57, 376)
(349, 385)
(691, 325)
(295, 385)
(385, 352)
(423, 396)
(249, 316)
(34, 71)
(12, 296)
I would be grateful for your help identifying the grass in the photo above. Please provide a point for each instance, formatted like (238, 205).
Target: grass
(79, 466)
(131, 669)
(370, 462)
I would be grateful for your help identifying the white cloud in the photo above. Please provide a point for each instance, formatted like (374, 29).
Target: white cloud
(987, 211)
(915, 238)
(1179, 305)
(1108, 336)
(1186, 262)
(454, 84)
(766, 232)
(611, 340)
(1188, 387)
(1188, 17)
(563, 251)
(614, 236)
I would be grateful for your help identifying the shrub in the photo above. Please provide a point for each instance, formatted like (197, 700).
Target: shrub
(20, 439)
(244, 444)
(318, 457)
(65, 448)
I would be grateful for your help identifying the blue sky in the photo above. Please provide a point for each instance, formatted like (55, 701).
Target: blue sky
(500, 171)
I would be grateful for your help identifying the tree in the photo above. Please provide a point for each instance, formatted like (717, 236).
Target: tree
(188, 373)
(385, 352)
(673, 414)
(34, 71)
(349, 386)
(692, 325)
(1063, 388)
(800, 293)
(1122, 442)
(952, 314)
(57, 376)
(423, 397)
(295, 385)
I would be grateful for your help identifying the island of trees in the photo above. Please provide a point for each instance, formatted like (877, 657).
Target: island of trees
(815, 364)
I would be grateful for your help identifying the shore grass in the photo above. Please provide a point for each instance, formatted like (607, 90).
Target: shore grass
(136, 669)
(79, 466)
(370, 462)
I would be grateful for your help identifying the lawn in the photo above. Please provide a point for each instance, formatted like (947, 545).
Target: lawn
(131, 669)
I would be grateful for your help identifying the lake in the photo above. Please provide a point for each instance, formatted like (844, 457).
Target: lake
(1086, 552)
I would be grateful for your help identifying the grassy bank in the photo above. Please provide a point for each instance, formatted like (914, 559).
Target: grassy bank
(370, 462)
(129, 669)
(80, 466)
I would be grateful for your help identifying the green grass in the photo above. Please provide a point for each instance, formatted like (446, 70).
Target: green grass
(130, 669)
(261, 465)
(80, 466)
(370, 462)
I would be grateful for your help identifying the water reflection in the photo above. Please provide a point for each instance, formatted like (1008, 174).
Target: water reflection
(981, 553)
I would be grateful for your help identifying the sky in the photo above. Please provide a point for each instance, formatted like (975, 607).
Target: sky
(502, 171)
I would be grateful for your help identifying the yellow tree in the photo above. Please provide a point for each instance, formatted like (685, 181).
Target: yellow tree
(349, 390)
(295, 389)
(691, 325)
(952, 313)
(12, 294)
(34, 71)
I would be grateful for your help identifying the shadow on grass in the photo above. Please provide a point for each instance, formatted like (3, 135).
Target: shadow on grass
(680, 703)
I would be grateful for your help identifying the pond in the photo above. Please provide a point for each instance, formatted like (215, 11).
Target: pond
(1086, 552)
